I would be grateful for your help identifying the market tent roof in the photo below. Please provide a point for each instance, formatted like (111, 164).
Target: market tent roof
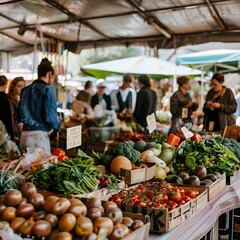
(81, 23)
(138, 65)
(223, 58)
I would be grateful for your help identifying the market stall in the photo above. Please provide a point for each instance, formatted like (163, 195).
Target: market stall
(180, 186)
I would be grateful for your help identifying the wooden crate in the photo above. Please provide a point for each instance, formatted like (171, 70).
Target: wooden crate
(163, 220)
(138, 175)
(234, 178)
(213, 189)
(141, 233)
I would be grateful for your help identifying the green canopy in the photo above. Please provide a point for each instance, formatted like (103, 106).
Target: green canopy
(221, 59)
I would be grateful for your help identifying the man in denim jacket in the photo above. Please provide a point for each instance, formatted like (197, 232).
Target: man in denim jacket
(38, 110)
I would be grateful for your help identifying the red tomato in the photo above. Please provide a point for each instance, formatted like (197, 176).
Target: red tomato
(142, 204)
(191, 193)
(158, 205)
(186, 198)
(116, 199)
(165, 197)
(176, 196)
(182, 191)
(181, 202)
(134, 196)
(103, 182)
(123, 193)
(142, 188)
(197, 192)
(172, 206)
(149, 204)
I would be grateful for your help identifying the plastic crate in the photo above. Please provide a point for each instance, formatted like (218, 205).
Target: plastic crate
(102, 134)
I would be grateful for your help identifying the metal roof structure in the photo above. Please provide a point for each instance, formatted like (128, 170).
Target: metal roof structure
(93, 23)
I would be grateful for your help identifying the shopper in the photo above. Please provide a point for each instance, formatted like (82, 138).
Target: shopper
(124, 98)
(38, 109)
(220, 105)
(181, 105)
(86, 94)
(89, 87)
(146, 100)
(14, 92)
(5, 107)
(100, 98)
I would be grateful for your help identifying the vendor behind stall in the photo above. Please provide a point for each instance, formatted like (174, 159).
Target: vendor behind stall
(220, 105)
(146, 100)
(181, 105)
(100, 98)
(38, 110)
(124, 98)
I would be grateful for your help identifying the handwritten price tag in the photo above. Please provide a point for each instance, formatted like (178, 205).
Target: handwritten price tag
(151, 122)
(74, 137)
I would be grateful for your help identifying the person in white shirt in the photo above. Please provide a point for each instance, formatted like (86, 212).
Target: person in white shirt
(124, 98)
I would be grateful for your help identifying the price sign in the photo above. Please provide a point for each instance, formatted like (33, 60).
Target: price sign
(74, 137)
(187, 134)
(151, 122)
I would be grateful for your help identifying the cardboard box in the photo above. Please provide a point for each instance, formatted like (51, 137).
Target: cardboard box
(139, 175)
(163, 220)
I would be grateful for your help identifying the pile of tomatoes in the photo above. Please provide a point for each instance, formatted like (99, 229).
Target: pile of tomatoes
(156, 195)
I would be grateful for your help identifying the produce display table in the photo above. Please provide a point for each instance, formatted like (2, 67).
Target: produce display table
(199, 225)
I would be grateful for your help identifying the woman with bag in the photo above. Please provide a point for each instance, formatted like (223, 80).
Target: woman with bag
(181, 105)
(220, 105)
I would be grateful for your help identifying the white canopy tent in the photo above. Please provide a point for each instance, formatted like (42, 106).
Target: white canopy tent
(139, 65)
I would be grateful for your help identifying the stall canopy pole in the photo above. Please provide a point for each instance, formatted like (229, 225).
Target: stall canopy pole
(175, 71)
(202, 88)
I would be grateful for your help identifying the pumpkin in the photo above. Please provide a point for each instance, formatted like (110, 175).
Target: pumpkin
(118, 163)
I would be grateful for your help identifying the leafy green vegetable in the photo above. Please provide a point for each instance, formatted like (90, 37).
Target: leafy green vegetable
(74, 176)
(156, 137)
(209, 153)
(233, 146)
(3, 152)
(9, 180)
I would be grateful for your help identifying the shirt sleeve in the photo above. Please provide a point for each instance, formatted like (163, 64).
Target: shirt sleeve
(175, 109)
(231, 105)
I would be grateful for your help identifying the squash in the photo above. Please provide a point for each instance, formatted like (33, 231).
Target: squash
(118, 163)
(146, 153)
(154, 159)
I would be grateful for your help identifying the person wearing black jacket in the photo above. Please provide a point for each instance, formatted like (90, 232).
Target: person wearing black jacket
(6, 115)
(100, 98)
(146, 100)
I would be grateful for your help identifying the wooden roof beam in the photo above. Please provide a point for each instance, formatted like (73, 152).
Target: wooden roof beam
(74, 16)
(216, 15)
(151, 20)
(16, 39)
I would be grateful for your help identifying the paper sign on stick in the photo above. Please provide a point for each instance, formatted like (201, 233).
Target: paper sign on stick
(151, 122)
(74, 137)
(187, 134)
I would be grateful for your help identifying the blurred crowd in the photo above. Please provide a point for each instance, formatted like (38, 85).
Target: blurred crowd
(30, 113)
